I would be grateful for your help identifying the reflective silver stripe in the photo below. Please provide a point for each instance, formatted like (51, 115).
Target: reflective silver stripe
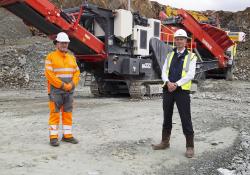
(65, 75)
(168, 58)
(67, 129)
(53, 129)
(77, 68)
(49, 68)
(53, 132)
(67, 132)
(188, 62)
(64, 69)
(48, 62)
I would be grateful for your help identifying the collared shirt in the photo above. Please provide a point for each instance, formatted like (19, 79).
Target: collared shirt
(179, 53)
(183, 80)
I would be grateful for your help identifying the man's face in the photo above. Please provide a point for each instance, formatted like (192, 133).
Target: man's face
(62, 46)
(180, 42)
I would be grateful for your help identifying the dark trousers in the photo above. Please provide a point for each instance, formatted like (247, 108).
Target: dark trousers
(182, 99)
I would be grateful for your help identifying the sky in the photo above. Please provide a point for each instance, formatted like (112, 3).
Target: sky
(200, 5)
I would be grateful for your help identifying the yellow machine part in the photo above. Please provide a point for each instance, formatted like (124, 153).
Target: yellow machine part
(198, 16)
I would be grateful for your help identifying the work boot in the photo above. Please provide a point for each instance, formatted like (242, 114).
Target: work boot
(70, 140)
(54, 142)
(189, 146)
(164, 141)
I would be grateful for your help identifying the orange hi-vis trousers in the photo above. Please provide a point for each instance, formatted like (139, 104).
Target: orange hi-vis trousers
(60, 103)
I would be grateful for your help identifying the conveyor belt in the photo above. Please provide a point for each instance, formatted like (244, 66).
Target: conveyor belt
(33, 18)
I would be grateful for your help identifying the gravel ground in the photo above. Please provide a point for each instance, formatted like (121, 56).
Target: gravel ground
(116, 133)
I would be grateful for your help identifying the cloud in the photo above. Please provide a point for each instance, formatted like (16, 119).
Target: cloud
(226, 5)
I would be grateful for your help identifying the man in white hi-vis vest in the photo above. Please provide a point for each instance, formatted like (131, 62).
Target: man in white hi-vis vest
(177, 74)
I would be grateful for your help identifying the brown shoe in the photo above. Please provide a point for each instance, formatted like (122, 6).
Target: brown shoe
(54, 142)
(189, 146)
(189, 152)
(164, 142)
(70, 140)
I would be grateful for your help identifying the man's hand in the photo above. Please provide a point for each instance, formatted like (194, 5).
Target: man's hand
(67, 87)
(171, 86)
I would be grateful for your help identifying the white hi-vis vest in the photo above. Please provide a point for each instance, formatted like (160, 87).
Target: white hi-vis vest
(190, 56)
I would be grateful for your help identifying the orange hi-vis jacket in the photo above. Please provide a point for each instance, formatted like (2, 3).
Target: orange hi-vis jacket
(60, 68)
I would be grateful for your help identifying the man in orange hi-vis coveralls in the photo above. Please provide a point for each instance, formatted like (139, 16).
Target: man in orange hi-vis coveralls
(62, 73)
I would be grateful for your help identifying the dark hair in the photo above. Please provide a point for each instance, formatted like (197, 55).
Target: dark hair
(54, 42)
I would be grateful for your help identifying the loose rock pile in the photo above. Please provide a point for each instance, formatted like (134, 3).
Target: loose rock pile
(22, 66)
(240, 164)
(239, 21)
